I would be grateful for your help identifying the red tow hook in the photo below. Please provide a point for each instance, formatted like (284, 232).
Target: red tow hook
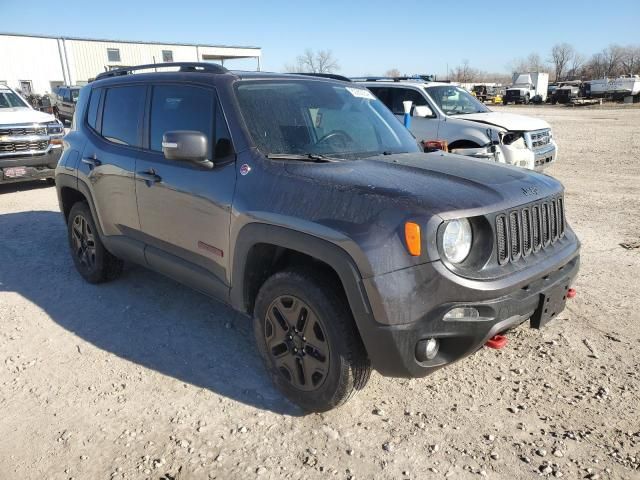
(497, 342)
(571, 293)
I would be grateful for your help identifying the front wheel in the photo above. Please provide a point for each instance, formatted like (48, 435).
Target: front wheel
(92, 260)
(526, 100)
(307, 337)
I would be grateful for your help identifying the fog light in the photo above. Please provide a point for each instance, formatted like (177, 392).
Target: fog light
(462, 313)
(427, 349)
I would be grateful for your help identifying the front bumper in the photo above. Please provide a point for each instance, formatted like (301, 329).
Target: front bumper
(35, 166)
(409, 306)
(537, 160)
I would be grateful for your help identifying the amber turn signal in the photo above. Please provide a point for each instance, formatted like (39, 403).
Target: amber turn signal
(412, 237)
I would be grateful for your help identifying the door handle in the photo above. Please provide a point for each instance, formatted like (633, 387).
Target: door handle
(150, 176)
(91, 161)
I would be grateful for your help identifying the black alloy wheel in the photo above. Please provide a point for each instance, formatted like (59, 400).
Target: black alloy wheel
(296, 340)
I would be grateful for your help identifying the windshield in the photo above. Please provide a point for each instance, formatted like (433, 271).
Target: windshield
(8, 99)
(321, 118)
(455, 100)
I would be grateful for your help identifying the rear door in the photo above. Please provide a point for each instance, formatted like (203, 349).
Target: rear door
(185, 211)
(113, 121)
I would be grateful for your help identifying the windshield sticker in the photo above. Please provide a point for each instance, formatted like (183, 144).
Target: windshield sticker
(360, 93)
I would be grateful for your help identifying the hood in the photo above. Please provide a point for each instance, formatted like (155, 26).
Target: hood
(17, 115)
(508, 121)
(438, 183)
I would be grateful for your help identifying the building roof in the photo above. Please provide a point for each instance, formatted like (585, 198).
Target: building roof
(54, 37)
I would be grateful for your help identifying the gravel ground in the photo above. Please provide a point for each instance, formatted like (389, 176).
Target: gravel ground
(143, 378)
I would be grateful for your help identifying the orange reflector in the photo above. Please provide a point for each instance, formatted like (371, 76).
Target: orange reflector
(56, 141)
(412, 237)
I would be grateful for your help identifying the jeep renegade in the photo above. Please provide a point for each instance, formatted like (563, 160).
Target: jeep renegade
(305, 204)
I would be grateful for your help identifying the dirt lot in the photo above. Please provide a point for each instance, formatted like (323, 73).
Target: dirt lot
(143, 378)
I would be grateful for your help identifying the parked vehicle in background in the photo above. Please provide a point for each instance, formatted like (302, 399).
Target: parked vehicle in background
(486, 93)
(527, 87)
(64, 102)
(550, 89)
(448, 114)
(30, 141)
(616, 88)
(567, 92)
(305, 204)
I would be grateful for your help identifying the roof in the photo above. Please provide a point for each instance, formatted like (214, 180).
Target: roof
(54, 37)
(404, 83)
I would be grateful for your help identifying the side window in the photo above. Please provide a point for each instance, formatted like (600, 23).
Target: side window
(66, 95)
(92, 111)
(121, 114)
(384, 94)
(403, 94)
(180, 107)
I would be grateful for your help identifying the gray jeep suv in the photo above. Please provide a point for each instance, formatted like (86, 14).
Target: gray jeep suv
(305, 204)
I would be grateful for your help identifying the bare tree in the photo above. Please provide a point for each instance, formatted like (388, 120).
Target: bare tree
(596, 68)
(561, 56)
(612, 56)
(576, 67)
(465, 73)
(314, 62)
(533, 63)
(392, 73)
(631, 60)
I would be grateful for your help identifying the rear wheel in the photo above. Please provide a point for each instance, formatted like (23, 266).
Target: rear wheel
(92, 260)
(308, 340)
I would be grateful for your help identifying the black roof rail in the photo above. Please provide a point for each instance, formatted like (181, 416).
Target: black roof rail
(184, 67)
(333, 76)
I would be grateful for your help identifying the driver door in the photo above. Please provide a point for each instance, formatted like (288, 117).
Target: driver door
(185, 210)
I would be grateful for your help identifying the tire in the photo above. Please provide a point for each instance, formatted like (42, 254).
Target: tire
(51, 181)
(302, 322)
(92, 260)
(526, 100)
(505, 102)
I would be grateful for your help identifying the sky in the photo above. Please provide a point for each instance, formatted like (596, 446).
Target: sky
(367, 38)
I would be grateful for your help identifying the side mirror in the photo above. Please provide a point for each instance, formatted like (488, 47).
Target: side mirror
(422, 111)
(187, 146)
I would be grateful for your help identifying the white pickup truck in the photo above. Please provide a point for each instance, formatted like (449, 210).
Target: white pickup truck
(30, 141)
(442, 112)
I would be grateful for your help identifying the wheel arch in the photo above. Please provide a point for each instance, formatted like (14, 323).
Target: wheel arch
(261, 250)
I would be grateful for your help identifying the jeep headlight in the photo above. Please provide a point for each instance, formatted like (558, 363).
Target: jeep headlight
(456, 240)
(54, 128)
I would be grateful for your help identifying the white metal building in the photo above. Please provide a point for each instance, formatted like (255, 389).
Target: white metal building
(38, 64)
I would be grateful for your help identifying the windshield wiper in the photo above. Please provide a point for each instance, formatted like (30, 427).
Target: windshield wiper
(305, 157)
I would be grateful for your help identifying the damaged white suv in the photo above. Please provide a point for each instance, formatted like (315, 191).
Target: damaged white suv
(442, 112)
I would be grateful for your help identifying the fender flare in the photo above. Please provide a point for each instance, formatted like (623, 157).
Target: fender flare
(325, 251)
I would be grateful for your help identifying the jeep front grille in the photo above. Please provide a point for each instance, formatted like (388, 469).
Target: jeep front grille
(523, 231)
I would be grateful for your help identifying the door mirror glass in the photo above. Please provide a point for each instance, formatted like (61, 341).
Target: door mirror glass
(186, 146)
(422, 111)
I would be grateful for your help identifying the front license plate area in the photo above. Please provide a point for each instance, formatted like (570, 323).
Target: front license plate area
(552, 302)
(15, 172)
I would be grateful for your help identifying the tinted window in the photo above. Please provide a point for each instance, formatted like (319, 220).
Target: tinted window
(404, 94)
(92, 112)
(384, 94)
(121, 114)
(180, 107)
